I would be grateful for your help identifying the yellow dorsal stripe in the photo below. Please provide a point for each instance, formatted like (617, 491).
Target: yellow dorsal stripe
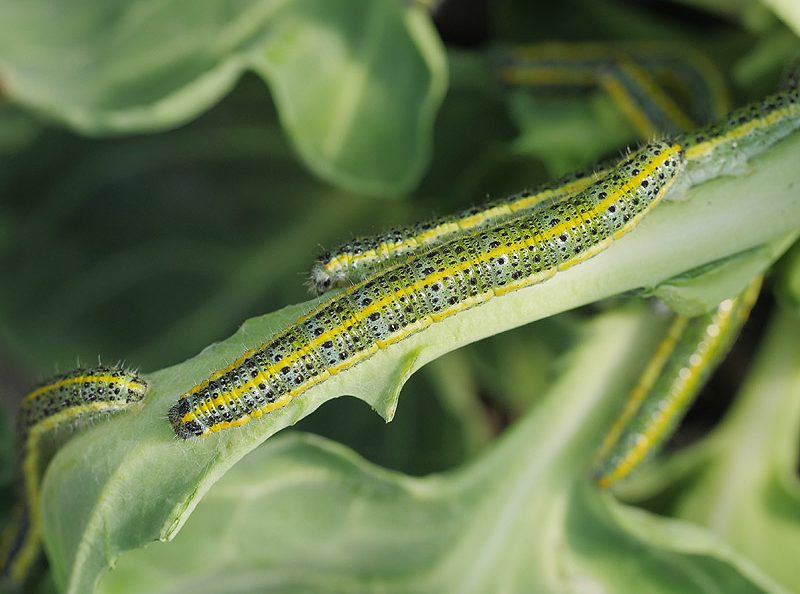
(94, 379)
(550, 234)
(524, 202)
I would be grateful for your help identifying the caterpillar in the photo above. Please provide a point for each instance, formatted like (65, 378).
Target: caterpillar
(391, 304)
(747, 131)
(682, 364)
(693, 348)
(567, 66)
(688, 74)
(624, 73)
(723, 148)
(356, 259)
(642, 100)
(717, 149)
(47, 415)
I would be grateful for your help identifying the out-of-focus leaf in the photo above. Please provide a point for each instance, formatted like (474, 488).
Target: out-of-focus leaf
(741, 482)
(764, 63)
(789, 279)
(301, 514)
(567, 134)
(788, 11)
(85, 526)
(357, 82)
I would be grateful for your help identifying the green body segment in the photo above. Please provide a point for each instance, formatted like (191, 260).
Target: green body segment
(719, 149)
(427, 287)
(723, 148)
(674, 376)
(634, 76)
(356, 259)
(622, 71)
(47, 416)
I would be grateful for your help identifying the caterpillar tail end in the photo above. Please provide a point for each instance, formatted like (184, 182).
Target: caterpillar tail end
(183, 429)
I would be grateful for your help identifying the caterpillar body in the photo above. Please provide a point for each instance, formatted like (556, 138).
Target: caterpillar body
(46, 417)
(627, 74)
(715, 150)
(356, 259)
(674, 376)
(723, 148)
(391, 304)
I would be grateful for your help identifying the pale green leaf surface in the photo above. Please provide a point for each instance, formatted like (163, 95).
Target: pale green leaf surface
(357, 82)
(86, 525)
(303, 514)
(699, 291)
(788, 11)
(741, 481)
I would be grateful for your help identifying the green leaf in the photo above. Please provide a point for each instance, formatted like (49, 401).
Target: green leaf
(788, 11)
(567, 134)
(789, 279)
(303, 514)
(698, 291)
(741, 481)
(357, 82)
(91, 485)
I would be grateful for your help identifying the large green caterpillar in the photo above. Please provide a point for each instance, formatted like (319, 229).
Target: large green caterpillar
(47, 415)
(356, 259)
(391, 304)
(256, 384)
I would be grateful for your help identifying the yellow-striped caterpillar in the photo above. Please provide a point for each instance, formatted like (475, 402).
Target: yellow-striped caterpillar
(634, 76)
(393, 303)
(718, 149)
(47, 415)
(360, 257)
(683, 362)
(744, 132)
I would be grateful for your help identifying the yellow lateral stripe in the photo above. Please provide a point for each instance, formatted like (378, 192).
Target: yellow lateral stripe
(360, 315)
(525, 202)
(705, 148)
(29, 550)
(377, 305)
(359, 356)
(98, 379)
(644, 385)
(658, 97)
(620, 96)
(729, 315)
(677, 397)
(704, 66)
